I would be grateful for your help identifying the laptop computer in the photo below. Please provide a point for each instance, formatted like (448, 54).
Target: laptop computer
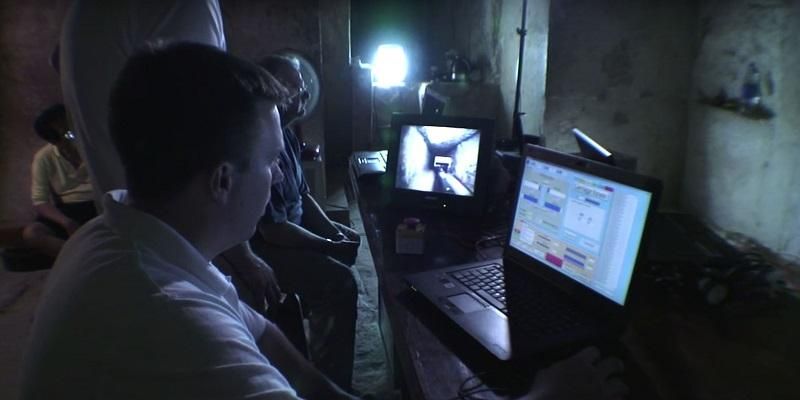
(576, 233)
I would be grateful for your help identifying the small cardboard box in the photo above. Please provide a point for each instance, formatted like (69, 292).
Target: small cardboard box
(410, 237)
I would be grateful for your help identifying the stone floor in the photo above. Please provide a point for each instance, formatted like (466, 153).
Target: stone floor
(370, 374)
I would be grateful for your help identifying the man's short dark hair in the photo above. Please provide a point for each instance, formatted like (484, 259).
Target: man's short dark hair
(274, 63)
(181, 109)
(43, 125)
(277, 65)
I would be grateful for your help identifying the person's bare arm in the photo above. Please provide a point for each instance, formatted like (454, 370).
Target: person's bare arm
(288, 234)
(49, 211)
(316, 220)
(309, 382)
(254, 272)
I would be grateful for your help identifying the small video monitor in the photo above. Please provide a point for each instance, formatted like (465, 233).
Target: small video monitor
(441, 162)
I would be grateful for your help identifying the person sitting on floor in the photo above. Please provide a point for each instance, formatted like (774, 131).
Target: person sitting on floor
(310, 254)
(60, 188)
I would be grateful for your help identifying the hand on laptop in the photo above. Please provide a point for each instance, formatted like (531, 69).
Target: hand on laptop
(586, 375)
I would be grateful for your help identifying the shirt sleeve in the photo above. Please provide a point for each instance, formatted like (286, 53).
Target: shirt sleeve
(201, 349)
(197, 21)
(40, 178)
(255, 323)
(303, 187)
(276, 208)
(294, 144)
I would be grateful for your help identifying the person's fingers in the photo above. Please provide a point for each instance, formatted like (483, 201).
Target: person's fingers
(610, 366)
(271, 289)
(589, 355)
(271, 295)
(347, 231)
(351, 233)
(259, 296)
(274, 293)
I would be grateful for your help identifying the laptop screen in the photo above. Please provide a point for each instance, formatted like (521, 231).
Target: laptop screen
(585, 227)
(438, 159)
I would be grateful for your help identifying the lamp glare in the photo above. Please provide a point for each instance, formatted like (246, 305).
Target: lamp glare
(390, 66)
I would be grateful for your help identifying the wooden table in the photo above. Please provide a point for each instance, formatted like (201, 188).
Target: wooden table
(675, 349)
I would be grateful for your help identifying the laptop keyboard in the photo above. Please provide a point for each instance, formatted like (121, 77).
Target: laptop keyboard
(536, 308)
(485, 281)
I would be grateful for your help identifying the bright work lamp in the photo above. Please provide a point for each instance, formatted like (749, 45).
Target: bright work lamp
(390, 66)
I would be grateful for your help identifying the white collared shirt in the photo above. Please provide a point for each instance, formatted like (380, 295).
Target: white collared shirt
(132, 310)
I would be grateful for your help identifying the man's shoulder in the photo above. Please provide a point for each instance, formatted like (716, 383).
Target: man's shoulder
(104, 308)
(102, 273)
(96, 257)
(45, 153)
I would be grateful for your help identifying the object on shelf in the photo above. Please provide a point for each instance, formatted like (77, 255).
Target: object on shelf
(750, 110)
(751, 88)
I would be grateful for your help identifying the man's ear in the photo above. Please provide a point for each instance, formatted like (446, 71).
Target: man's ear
(221, 182)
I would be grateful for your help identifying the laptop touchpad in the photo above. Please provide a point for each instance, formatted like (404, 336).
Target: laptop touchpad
(466, 303)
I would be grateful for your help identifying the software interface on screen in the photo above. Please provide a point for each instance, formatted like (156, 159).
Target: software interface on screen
(585, 227)
(438, 159)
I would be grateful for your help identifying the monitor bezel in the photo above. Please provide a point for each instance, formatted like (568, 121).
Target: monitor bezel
(451, 203)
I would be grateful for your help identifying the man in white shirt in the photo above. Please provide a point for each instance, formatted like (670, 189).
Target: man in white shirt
(134, 308)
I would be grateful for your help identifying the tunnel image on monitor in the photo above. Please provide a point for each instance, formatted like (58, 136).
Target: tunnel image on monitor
(438, 159)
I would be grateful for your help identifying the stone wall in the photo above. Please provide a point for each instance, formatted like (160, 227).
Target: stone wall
(631, 73)
(29, 31)
(485, 32)
(741, 174)
(620, 71)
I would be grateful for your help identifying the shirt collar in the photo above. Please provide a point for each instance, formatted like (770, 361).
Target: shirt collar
(58, 154)
(147, 231)
(56, 151)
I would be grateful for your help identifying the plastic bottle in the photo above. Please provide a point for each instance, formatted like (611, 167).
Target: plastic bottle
(751, 88)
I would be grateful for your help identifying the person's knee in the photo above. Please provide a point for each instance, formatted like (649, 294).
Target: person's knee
(345, 283)
(34, 232)
(350, 285)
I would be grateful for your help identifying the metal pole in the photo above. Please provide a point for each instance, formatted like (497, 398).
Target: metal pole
(516, 129)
